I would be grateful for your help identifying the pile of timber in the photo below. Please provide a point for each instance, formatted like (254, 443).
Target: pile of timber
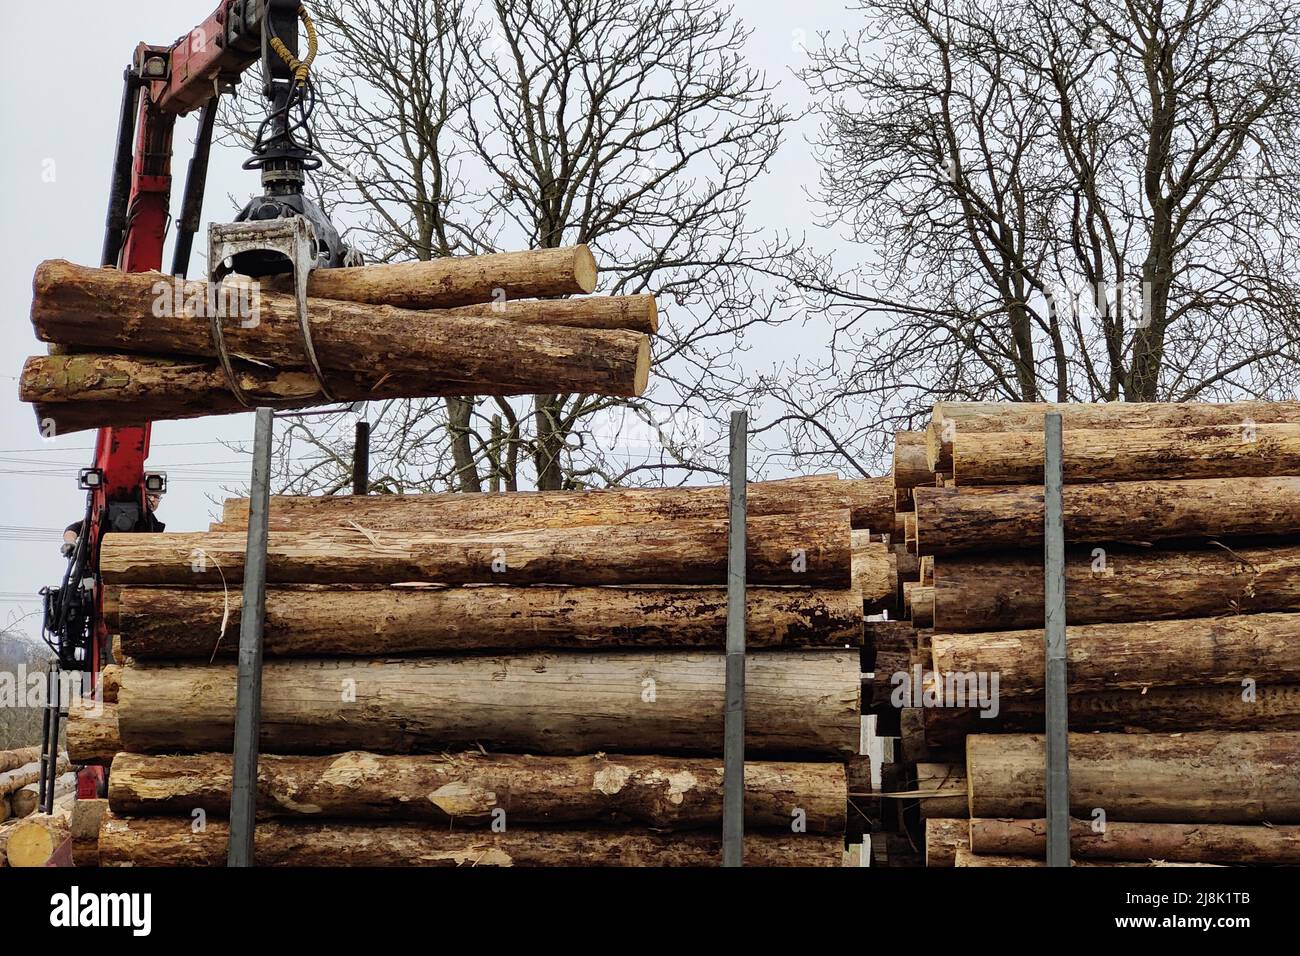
(127, 348)
(527, 679)
(1182, 523)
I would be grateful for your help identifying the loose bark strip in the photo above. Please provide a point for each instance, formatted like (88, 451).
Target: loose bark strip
(810, 550)
(1131, 454)
(1217, 650)
(952, 418)
(797, 703)
(1218, 843)
(1192, 778)
(171, 841)
(951, 521)
(161, 623)
(510, 510)
(986, 592)
(665, 793)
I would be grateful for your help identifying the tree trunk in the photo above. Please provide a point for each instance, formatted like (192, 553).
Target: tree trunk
(170, 841)
(1131, 454)
(810, 550)
(1138, 842)
(943, 838)
(87, 815)
(875, 575)
(951, 521)
(985, 592)
(1134, 655)
(1154, 710)
(910, 467)
(93, 736)
(13, 759)
(965, 857)
(112, 311)
(634, 313)
(1192, 778)
(15, 780)
(462, 280)
(75, 392)
(867, 499)
(797, 703)
(164, 623)
(474, 789)
(459, 411)
(950, 419)
(27, 801)
(944, 789)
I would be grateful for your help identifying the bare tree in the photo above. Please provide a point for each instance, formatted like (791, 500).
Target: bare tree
(1074, 200)
(455, 127)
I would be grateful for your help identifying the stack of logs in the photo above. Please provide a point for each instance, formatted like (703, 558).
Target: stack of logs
(1182, 523)
(127, 348)
(513, 678)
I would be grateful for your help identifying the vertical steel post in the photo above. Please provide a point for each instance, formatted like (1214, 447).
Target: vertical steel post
(1057, 702)
(248, 702)
(733, 754)
(361, 460)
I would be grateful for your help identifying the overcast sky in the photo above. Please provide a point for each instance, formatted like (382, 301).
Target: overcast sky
(59, 118)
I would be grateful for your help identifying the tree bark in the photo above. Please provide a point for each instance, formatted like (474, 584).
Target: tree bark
(1131, 454)
(665, 793)
(865, 498)
(810, 550)
(93, 735)
(1153, 710)
(875, 574)
(1219, 843)
(112, 311)
(87, 815)
(798, 703)
(985, 592)
(13, 759)
(910, 469)
(948, 419)
(34, 839)
(1133, 655)
(944, 786)
(27, 801)
(952, 521)
(169, 841)
(634, 313)
(159, 623)
(943, 838)
(16, 779)
(462, 280)
(1193, 778)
